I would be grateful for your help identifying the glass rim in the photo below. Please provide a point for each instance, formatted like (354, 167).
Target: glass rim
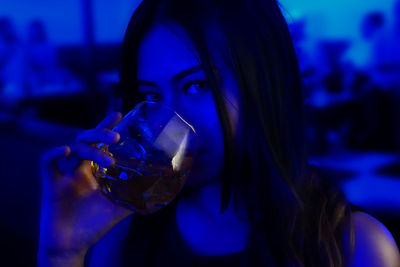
(140, 104)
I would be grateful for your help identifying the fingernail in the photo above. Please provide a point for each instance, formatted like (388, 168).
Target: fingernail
(62, 149)
(113, 136)
(116, 115)
(117, 136)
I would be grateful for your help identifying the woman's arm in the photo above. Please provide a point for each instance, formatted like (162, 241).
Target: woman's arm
(108, 251)
(374, 244)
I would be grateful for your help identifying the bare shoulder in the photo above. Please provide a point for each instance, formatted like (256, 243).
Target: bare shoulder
(374, 244)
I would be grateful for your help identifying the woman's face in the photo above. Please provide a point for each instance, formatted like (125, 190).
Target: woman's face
(169, 71)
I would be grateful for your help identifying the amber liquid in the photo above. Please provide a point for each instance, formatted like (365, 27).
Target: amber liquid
(142, 188)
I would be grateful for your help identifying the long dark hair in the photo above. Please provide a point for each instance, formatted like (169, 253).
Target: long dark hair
(297, 219)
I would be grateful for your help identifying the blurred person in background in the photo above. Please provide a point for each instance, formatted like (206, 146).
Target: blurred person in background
(386, 74)
(11, 64)
(367, 128)
(360, 53)
(307, 69)
(44, 74)
(387, 55)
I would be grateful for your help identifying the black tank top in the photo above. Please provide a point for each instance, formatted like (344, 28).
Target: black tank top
(154, 241)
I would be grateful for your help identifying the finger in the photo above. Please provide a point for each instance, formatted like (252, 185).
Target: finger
(69, 165)
(110, 121)
(49, 160)
(86, 152)
(102, 135)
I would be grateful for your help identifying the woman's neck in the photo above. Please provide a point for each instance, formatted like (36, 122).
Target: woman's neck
(205, 229)
(208, 200)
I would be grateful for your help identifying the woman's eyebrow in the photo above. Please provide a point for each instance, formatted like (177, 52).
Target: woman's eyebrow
(186, 72)
(176, 77)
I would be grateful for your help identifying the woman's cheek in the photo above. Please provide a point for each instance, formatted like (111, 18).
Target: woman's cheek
(207, 125)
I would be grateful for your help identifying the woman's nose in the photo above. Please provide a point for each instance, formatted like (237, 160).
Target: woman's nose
(171, 101)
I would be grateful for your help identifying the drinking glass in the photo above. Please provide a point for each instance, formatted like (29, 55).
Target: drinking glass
(153, 158)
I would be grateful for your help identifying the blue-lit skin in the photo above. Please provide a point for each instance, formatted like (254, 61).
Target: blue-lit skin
(374, 244)
(162, 55)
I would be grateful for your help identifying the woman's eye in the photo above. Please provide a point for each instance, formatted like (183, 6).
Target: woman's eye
(195, 87)
(151, 96)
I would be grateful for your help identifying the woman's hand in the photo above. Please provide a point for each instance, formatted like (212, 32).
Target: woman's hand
(74, 213)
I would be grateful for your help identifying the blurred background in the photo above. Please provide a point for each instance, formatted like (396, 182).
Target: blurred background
(59, 65)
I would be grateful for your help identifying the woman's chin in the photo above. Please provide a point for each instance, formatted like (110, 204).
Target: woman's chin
(193, 181)
(206, 170)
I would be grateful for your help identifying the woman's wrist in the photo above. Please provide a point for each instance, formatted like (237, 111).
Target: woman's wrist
(49, 258)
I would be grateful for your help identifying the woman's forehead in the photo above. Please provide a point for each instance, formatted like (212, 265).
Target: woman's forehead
(164, 50)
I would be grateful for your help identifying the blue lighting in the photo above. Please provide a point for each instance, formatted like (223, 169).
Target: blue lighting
(59, 74)
(376, 193)
(367, 188)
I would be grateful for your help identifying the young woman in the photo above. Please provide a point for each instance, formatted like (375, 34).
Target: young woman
(229, 68)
